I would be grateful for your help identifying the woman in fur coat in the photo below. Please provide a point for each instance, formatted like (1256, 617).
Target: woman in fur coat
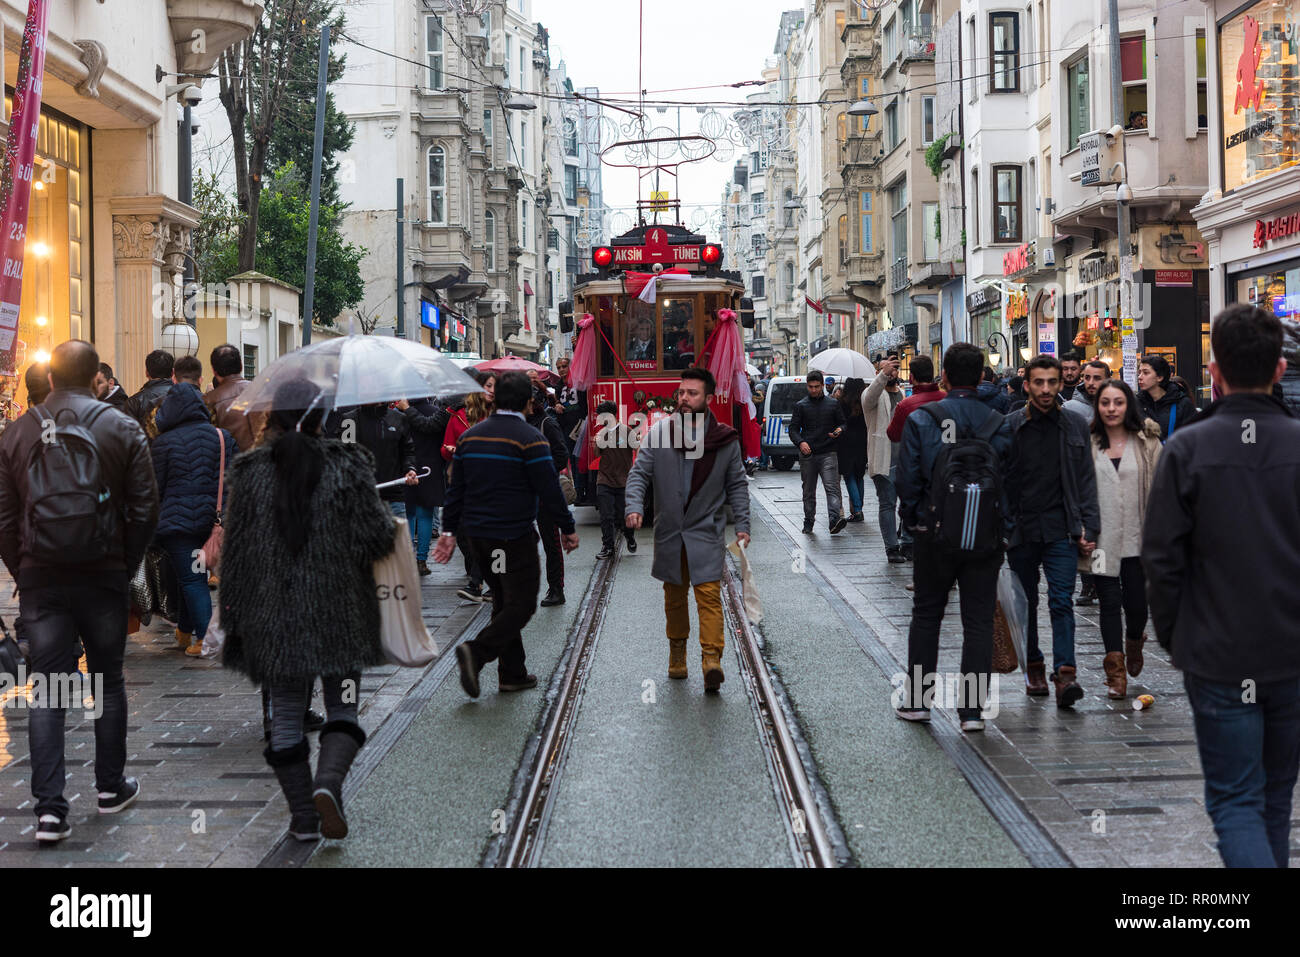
(304, 528)
(1125, 449)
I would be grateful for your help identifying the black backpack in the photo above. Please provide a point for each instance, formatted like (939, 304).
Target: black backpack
(964, 511)
(71, 518)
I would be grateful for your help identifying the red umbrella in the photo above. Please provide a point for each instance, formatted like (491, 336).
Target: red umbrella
(510, 364)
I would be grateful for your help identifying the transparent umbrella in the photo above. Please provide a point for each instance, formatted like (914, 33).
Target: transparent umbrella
(359, 370)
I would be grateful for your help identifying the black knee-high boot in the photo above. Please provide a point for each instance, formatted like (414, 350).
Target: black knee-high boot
(339, 743)
(293, 770)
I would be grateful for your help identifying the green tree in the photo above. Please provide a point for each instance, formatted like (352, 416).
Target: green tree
(218, 228)
(285, 213)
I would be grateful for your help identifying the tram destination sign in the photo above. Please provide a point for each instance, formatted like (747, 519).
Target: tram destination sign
(641, 255)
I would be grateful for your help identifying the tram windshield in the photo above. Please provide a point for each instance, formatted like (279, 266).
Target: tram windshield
(666, 336)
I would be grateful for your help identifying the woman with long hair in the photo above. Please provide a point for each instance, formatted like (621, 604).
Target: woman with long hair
(852, 448)
(300, 503)
(1125, 448)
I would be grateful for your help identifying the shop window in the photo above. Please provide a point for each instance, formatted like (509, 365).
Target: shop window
(1004, 52)
(1133, 72)
(1007, 204)
(1078, 106)
(1259, 102)
(433, 50)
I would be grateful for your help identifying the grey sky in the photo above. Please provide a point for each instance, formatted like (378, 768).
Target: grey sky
(686, 43)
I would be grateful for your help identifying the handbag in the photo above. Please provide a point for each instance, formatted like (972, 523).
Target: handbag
(567, 487)
(1004, 649)
(212, 547)
(402, 633)
(154, 588)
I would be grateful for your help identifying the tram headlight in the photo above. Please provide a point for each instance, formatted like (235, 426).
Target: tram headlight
(711, 255)
(602, 256)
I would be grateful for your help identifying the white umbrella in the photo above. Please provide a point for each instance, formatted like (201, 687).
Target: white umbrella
(843, 364)
(751, 370)
(359, 370)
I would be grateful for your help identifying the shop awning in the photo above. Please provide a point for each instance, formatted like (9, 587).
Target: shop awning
(528, 290)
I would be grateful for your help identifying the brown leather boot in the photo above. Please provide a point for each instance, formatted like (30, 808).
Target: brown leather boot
(1036, 679)
(1068, 690)
(1133, 653)
(1116, 680)
(713, 676)
(677, 658)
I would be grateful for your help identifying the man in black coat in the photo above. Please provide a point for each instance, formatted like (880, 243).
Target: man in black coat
(815, 427)
(1227, 614)
(158, 366)
(1052, 490)
(107, 389)
(65, 594)
(386, 433)
(427, 420)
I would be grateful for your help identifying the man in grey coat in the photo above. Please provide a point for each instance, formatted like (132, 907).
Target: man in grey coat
(694, 464)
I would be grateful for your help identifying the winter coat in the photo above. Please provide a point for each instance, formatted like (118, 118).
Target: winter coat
(150, 395)
(1161, 409)
(291, 617)
(1078, 475)
(1221, 543)
(994, 396)
(1122, 499)
(387, 435)
(852, 447)
(427, 421)
(244, 427)
(812, 421)
(126, 467)
(700, 525)
(1080, 405)
(549, 426)
(878, 411)
(923, 393)
(456, 427)
(187, 463)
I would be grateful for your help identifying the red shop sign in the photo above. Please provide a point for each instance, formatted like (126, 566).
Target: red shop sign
(1174, 277)
(1016, 261)
(1277, 228)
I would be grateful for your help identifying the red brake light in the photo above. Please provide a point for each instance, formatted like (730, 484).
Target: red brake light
(602, 256)
(711, 255)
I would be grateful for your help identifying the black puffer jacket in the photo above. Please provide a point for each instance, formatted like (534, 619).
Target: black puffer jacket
(427, 421)
(289, 617)
(187, 463)
(813, 420)
(1163, 408)
(150, 394)
(127, 468)
(387, 435)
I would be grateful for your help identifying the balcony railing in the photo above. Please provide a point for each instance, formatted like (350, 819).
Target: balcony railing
(866, 268)
(898, 278)
(861, 149)
(918, 44)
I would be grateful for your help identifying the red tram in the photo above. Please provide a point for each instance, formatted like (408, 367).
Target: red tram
(652, 308)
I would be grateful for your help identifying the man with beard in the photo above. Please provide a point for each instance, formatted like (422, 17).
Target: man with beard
(693, 462)
(1070, 371)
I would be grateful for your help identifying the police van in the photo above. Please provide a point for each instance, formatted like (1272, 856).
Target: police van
(782, 393)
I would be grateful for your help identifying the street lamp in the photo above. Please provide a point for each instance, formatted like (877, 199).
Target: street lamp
(862, 108)
(995, 356)
(520, 102)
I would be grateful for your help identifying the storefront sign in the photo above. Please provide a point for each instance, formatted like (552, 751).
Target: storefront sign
(1047, 338)
(1278, 228)
(1174, 277)
(1020, 259)
(1259, 70)
(1099, 269)
(16, 179)
(982, 299)
(657, 249)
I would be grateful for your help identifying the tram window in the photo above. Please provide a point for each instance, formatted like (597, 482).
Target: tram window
(605, 334)
(640, 325)
(712, 303)
(679, 333)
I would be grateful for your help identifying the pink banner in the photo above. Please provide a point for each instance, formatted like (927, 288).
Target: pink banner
(16, 178)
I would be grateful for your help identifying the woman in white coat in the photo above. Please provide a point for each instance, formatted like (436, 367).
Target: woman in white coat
(1125, 449)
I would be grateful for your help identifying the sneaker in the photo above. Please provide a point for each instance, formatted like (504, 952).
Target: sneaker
(605, 552)
(631, 544)
(895, 556)
(1087, 595)
(837, 526)
(517, 684)
(312, 721)
(856, 517)
(972, 724)
(553, 597)
(471, 593)
(110, 802)
(920, 715)
(487, 596)
(51, 828)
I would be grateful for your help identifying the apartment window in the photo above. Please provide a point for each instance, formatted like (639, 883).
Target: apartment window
(1044, 62)
(1006, 204)
(1004, 52)
(864, 91)
(490, 240)
(437, 186)
(510, 49)
(757, 208)
(930, 232)
(1202, 100)
(970, 45)
(891, 126)
(789, 213)
(753, 162)
(789, 280)
(1077, 102)
(523, 144)
(433, 50)
(1133, 72)
(250, 363)
(523, 60)
(898, 212)
(571, 235)
(891, 41)
(864, 222)
(487, 131)
(756, 287)
(927, 120)
(839, 26)
(571, 185)
(843, 230)
(975, 208)
(525, 240)
(570, 137)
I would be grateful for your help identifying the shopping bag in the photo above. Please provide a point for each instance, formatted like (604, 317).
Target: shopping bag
(1004, 649)
(402, 633)
(748, 589)
(214, 639)
(154, 588)
(1015, 611)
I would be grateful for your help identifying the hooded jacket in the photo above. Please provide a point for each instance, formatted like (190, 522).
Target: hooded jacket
(1163, 408)
(187, 463)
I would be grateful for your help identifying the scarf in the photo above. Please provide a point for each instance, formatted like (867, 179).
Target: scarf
(716, 436)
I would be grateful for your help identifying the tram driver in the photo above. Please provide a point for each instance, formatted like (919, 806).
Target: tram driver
(641, 341)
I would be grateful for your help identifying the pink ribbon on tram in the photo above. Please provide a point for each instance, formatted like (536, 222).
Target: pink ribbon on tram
(726, 352)
(582, 371)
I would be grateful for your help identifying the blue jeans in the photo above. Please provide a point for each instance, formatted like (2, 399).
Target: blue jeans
(196, 600)
(1060, 561)
(855, 487)
(1250, 753)
(424, 525)
(887, 496)
(398, 509)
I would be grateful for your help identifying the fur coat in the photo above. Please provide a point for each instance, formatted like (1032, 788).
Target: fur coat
(292, 617)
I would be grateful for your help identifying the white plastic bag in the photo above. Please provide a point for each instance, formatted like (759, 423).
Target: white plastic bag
(1015, 608)
(748, 588)
(405, 640)
(214, 639)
